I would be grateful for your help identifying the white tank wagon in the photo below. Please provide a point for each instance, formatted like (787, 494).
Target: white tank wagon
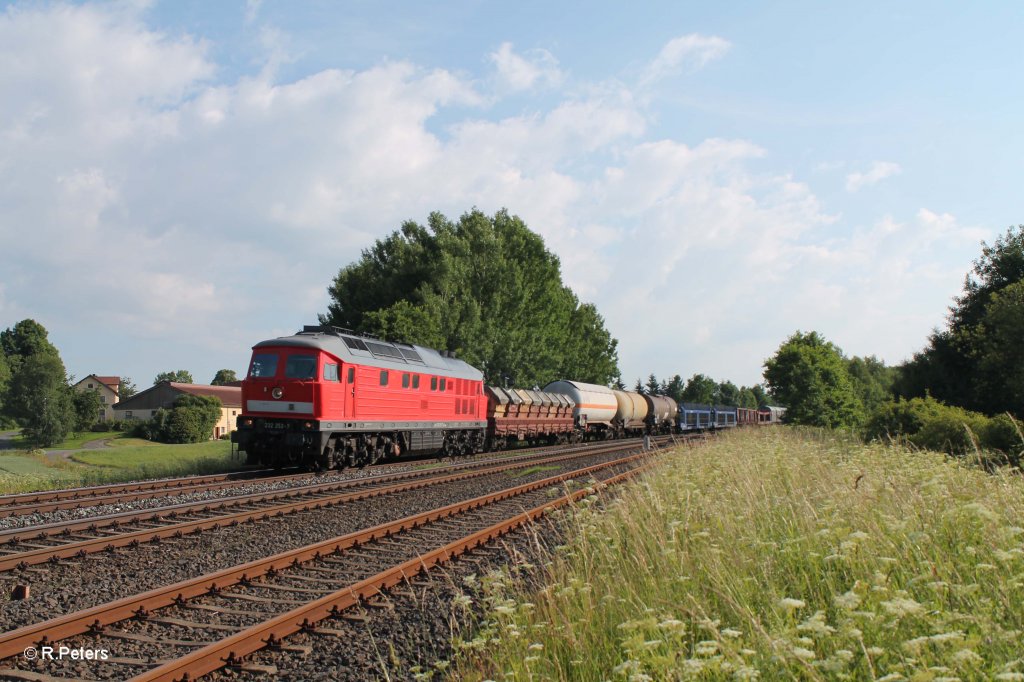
(594, 406)
(631, 413)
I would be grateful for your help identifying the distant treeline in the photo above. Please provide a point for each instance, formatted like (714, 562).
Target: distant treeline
(701, 389)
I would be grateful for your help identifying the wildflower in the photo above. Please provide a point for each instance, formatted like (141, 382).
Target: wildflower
(672, 625)
(816, 625)
(967, 657)
(1010, 677)
(790, 604)
(875, 651)
(531, 659)
(900, 606)
(891, 677)
(858, 536)
(945, 637)
(802, 653)
(536, 646)
(708, 647)
(848, 600)
(627, 667)
(731, 633)
(914, 645)
(747, 673)
(463, 600)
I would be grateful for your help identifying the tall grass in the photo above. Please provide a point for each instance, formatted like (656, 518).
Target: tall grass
(771, 554)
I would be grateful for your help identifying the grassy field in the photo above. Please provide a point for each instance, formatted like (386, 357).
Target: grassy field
(771, 554)
(130, 459)
(73, 442)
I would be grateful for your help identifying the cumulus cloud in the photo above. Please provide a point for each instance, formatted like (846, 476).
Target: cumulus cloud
(880, 170)
(525, 71)
(689, 52)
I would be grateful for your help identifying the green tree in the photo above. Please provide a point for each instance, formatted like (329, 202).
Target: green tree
(40, 399)
(126, 388)
(809, 375)
(6, 420)
(618, 384)
(485, 288)
(872, 381)
(1000, 351)
(86, 407)
(953, 367)
(748, 399)
(181, 376)
(190, 420)
(726, 393)
(224, 377)
(652, 387)
(638, 387)
(674, 388)
(23, 340)
(700, 389)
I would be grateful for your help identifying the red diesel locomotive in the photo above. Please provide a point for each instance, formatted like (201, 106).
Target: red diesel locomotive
(328, 398)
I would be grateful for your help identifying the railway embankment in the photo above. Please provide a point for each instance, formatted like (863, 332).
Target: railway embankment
(768, 554)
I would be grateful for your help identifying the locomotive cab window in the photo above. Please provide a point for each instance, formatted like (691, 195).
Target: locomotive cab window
(384, 377)
(330, 371)
(300, 367)
(263, 365)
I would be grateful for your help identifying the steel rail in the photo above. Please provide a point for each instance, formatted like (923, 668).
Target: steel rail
(270, 633)
(95, 618)
(81, 548)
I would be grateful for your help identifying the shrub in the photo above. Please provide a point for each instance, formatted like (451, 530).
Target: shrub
(933, 425)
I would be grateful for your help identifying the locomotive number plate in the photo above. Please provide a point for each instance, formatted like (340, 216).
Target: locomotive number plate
(275, 426)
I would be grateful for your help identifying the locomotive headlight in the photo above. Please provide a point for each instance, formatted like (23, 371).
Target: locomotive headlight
(247, 422)
(277, 393)
(308, 425)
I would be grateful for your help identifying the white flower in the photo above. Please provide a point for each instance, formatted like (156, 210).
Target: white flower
(968, 657)
(901, 606)
(790, 604)
(848, 600)
(803, 654)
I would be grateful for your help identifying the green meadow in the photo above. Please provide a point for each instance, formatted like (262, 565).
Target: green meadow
(127, 459)
(770, 554)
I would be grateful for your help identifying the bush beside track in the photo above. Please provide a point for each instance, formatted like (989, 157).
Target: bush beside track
(774, 554)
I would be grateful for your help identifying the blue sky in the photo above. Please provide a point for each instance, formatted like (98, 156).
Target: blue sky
(179, 180)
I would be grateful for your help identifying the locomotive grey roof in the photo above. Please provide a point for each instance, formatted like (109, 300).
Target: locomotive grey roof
(362, 350)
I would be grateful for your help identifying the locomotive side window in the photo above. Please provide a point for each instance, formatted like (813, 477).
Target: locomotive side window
(351, 375)
(433, 383)
(330, 371)
(415, 380)
(442, 383)
(384, 377)
(263, 365)
(300, 367)
(405, 381)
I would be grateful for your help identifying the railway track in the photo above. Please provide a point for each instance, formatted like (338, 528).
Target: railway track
(36, 545)
(193, 627)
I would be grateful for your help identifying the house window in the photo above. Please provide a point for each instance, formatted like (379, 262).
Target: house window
(152, 413)
(128, 413)
(384, 377)
(103, 398)
(90, 385)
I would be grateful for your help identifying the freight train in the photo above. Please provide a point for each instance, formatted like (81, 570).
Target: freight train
(328, 398)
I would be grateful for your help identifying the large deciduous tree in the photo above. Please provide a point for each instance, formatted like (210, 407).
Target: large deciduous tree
(809, 376)
(126, 388)
(485, 288)
(40, 399)
(700, 389)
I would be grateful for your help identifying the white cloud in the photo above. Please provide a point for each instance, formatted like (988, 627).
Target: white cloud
(147, 211)
(531, 69)
(880, 170)
(690, 52)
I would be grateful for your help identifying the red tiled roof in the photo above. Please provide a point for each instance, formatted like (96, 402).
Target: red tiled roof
(113, 382)
(230, 396)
